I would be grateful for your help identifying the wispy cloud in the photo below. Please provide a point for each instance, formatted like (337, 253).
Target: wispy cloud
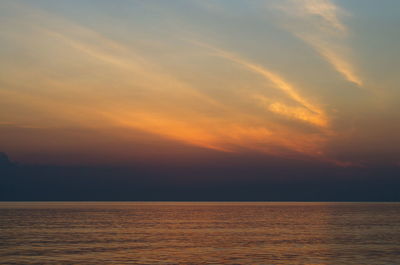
(318, 23)
(88, 79)
(308, 112)
(326, 10)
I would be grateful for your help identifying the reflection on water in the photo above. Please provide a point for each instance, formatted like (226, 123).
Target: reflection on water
(199, 233)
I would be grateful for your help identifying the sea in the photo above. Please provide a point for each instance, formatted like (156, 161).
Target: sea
(199, 233)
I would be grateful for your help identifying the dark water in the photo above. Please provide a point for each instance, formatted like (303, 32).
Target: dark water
(199, 233)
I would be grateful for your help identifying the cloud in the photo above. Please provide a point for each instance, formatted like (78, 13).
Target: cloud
(4, 160)
(318, 23)
(85, 78)
(334, 55)
(326, 10)
(307, 112)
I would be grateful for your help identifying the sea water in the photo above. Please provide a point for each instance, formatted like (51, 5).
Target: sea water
(199, 233)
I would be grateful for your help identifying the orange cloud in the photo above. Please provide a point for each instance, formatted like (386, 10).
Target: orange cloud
(308, 112)
(117, 86)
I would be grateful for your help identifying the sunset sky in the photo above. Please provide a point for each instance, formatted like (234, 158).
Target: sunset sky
(182, 81)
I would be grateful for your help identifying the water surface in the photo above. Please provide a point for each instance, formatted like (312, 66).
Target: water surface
(199, 233)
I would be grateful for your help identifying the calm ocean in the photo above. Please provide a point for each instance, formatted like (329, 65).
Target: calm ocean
(199, 233)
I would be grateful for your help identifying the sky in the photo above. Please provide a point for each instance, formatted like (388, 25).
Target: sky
(197, 82)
